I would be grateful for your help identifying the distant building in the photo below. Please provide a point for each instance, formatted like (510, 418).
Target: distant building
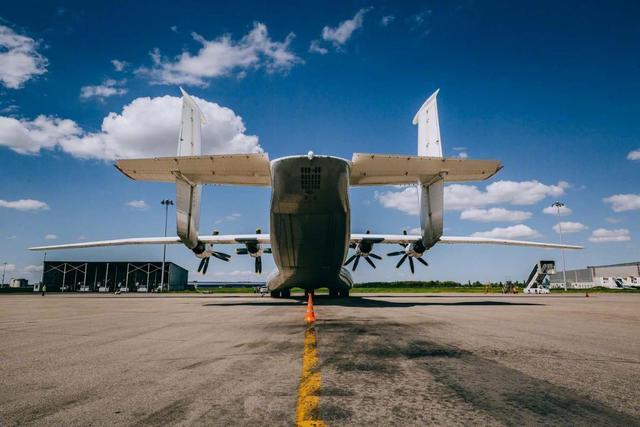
(613, 276)
(105, 276)
(19, 283)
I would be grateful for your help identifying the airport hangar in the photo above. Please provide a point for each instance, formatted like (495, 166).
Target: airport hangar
(103, 276)
(613, 276)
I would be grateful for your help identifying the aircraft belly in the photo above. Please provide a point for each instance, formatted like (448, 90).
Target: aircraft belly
(310, 221)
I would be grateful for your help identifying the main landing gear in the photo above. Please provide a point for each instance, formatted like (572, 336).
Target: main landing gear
(337, 293)
(285, 293)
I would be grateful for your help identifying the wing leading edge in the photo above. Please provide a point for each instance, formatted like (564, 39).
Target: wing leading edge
(409, 238)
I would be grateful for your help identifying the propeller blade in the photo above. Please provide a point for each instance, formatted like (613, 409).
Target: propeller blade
(352, 245)
(370, 262)
(267, 250)
(401, 260)
(206, 265)
(351, 258)
(395, 253)
(201, 264)
(375, 256)
(258, 265)
(355, 264)
(404, 245)
(413, 269)
(221, 256)
(242, 251)
(422, 261)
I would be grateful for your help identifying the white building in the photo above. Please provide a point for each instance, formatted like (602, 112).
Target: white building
(615, 276)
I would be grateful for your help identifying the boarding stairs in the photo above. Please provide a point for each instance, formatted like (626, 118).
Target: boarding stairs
(539, 274)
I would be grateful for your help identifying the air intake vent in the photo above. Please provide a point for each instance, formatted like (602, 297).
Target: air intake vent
(310, 178)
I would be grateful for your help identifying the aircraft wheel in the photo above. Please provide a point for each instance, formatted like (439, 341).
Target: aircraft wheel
(275, 294)
(334, 293)
(343, 293)
(285, 293)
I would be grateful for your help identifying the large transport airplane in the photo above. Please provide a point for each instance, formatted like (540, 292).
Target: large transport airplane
(310, 222)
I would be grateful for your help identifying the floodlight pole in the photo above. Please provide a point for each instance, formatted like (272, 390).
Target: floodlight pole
(3, 272)
(166, 203)
(559, 205)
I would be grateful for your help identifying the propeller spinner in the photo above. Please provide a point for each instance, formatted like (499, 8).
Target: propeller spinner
(411, 251)
(363, 249)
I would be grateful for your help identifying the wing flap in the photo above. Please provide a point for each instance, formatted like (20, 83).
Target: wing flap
(387, 169)
(236, 169)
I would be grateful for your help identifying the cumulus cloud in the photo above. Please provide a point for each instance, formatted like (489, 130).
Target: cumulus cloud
(494, 214)
(511, 232)
(222, 57)
(228, 218)
(119, 65)
(552, 210)
(33, 269)
(634, 155)
(315, 47)
(8, 268)
(19, 58)
(50, 237)
(386, 20)
(342, 33)
(569, 227)
(109, 87)
(623, 202)
(602, 235)
(24, 205)
(146, 127)
(140, 205)
(461, 197)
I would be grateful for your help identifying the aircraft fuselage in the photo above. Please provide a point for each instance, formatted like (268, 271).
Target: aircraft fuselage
(310, 222)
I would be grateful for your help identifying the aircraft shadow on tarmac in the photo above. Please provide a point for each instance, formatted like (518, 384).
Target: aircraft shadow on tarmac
(365, 302)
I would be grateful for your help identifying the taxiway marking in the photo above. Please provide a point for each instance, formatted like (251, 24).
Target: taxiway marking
(309, 389)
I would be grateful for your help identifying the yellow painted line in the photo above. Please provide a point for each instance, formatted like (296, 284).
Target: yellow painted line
(309, 389)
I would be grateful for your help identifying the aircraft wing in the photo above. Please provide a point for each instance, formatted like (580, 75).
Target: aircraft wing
(170, 240)
(239, 169)
(386, 169)
(410, 238)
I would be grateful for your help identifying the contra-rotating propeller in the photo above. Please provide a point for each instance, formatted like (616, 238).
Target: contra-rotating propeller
(363, 249)
(411, 251)
(253, 248)
(201, 251)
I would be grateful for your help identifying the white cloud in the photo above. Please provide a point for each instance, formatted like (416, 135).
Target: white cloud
(315, 47)
(8, 268)
(140, 205)
(222, 57)
(634, 155)
(386, 20)
(339, 35)
(233, 217)
(33, 268)
(405, 200)
(24, 205)
(623, 202)
(602, 235)
(463, 155)
(512, 232)
(494, 214)
(109, 87)
(50, 237)
(119, 65)
(569, 227)
(19, 59)
(552, 210)
(461, 197)
(613, 220)
(146, 127)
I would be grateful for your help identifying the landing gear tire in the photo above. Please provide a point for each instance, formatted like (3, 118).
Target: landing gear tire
(286, 293)
(343, 293)
(334, 293)
(275, 294)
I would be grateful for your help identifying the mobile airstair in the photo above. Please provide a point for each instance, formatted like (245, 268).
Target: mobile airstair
(538, 281)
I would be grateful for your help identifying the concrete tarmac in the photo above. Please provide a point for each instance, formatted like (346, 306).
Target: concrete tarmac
(382, 360)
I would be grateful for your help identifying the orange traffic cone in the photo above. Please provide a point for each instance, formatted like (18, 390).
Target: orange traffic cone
(310, 317)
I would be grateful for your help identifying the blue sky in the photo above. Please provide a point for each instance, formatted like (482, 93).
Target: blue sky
(548, 88)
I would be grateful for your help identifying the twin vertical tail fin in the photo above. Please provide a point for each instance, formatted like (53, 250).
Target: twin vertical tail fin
(187, 193)
(431, 191)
